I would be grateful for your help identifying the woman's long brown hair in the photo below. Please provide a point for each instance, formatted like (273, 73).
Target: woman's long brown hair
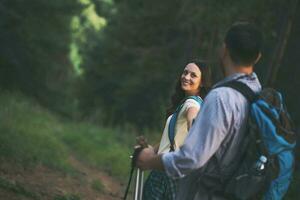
(179, 94)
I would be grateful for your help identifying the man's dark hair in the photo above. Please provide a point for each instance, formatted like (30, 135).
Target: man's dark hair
(244, 42)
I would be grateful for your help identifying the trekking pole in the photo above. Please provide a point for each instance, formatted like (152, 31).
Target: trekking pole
(138, 195)
(137, 185)
(139, 180)
(141, 184)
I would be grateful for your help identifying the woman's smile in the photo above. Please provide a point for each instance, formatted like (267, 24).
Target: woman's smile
(190, 79)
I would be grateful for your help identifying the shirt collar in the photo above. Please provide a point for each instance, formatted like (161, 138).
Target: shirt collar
(234, 76)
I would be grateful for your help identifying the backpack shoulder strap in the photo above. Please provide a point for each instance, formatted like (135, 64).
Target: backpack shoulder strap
(241, 87)
(173, 120)
(196, 98)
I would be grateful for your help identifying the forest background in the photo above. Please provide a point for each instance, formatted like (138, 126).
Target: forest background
(82, 78)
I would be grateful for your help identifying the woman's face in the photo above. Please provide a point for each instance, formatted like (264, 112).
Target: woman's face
(191, 79)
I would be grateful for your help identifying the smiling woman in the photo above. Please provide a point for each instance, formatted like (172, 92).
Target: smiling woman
(191, 87)
(181, 90)
(190, 79)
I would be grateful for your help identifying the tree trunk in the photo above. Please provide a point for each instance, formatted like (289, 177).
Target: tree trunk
(281, 46)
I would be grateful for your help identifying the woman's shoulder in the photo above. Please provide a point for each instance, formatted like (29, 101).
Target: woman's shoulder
(193, 102)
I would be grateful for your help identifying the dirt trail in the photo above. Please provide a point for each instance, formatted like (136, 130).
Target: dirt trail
(48, 184)
(112, 188)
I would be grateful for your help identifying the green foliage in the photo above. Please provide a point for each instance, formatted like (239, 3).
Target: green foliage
(16, 188)
(103, 148)
(67, 197)
(26, 133)
(31, 135)
(130, 72)
(87, 22)
(115, 63)
(35, 48)
(97, 185)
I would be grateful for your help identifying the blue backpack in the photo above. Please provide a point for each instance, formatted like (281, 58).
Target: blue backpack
(173, 119)
(268, 160)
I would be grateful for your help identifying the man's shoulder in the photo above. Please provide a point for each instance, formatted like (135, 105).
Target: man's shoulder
(228, 97)
(220, 92)
(230, 94)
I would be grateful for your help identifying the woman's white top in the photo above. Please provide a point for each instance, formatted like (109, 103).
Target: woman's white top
(181, 128)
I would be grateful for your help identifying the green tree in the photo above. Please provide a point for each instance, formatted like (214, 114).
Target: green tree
(131, 69)
(35, 39)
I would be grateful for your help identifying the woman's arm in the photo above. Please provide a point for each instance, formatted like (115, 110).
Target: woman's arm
(191, 114)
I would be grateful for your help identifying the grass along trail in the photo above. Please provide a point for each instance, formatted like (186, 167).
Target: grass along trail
(43, 183)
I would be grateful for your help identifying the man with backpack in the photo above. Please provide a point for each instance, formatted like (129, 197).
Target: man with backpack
(218, 140)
